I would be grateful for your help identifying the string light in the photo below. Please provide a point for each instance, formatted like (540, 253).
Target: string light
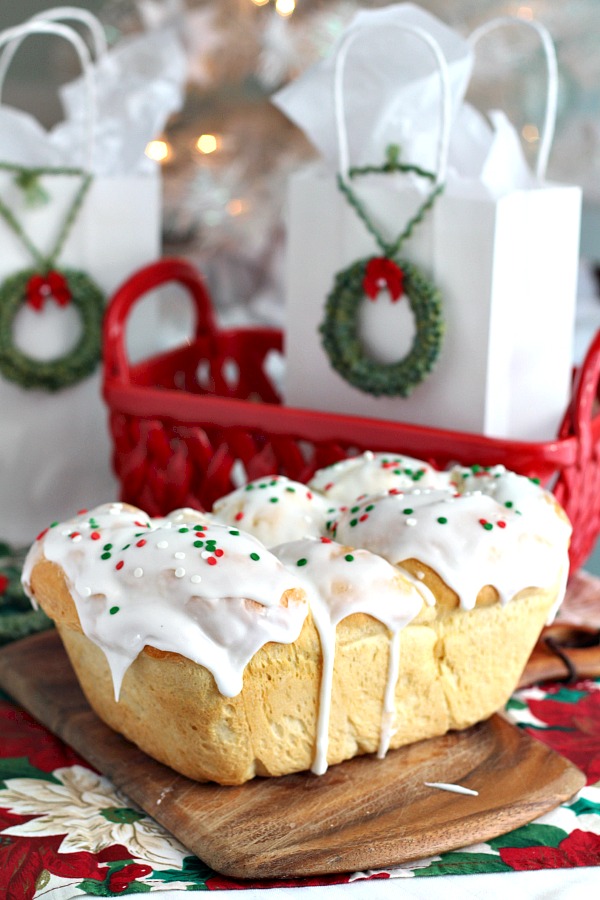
(159, 151)
(525, 12)
(285, 8)
(207, 143)
(531, 133)
(260, 2)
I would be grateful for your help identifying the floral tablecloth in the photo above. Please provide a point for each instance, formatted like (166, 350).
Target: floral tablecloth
(66, 832)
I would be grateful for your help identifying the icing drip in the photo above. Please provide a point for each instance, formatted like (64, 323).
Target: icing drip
(372, 473)
(207, 591)
(339, 582)
(274, 510)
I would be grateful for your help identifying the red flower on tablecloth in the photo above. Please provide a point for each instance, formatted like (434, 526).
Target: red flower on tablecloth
(23, 737)
(41, 287)
(580, 848)
(380, 273)
(573, 728)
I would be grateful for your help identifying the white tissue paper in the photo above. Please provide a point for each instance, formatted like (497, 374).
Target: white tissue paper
(500, 243)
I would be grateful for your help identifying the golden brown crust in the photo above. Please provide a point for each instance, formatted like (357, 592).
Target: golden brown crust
(456, 668)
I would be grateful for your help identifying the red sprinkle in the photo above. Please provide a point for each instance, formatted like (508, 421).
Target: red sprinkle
(95, 535)
(364, 517)
(211, 561)
(42, 534)
(141, 524)
(81, 512)
(141, 543)
(501, 523)
(309, 495)
(325, 540)
(119, 565)
(394, 491)
(219, 552)
(329, 485)
(74, 534)
(239, 516)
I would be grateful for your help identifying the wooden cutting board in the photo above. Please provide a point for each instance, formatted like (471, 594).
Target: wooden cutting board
(362, 814)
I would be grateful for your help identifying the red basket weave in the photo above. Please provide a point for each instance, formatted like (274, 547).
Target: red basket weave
(180, 422)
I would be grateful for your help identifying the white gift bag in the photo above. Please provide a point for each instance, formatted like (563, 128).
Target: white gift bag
(504, 260)
(55, 453)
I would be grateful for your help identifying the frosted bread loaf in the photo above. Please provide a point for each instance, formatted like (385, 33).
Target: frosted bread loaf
(412, 612)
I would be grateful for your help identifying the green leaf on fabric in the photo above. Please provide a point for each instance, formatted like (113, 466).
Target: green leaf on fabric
(192, 869)
(20, 767)
(463, 863)
(530, 836)
(514, 703)
(567, 695)
(583, 806)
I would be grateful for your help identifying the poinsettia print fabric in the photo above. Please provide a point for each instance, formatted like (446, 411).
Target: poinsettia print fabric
(66, 832)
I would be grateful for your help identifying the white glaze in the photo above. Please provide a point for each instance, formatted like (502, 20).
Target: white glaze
(275, 510)
(372, 473)
(469, 539)
(340, 582)
(200, 606)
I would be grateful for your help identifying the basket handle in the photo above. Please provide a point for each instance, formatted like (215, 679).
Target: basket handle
(579, 415)
(180, 271)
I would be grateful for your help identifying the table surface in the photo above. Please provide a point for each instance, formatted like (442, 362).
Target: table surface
(66, 832)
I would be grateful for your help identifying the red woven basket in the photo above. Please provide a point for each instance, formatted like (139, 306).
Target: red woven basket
(183, 419)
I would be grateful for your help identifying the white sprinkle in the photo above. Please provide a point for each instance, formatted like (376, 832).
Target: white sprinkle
(410, 521)
(369, 454)
(453, 788)
(205, 554)
(115, 508)
(76, 538)
(86, 592)
(137, 573)
(179, 555)
(179, 573)
(196, 579)
(420, 575)
(162, 545)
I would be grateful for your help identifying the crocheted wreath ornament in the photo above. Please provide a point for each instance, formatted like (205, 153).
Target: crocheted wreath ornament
(33, 288)
(340, 329)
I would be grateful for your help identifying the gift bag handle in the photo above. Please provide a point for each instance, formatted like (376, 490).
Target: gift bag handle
(445, 99)
(164, 271)
(41, 26)
(62, 14)
(549, 49)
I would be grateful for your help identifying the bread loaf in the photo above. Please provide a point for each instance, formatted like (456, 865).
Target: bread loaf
(384, 603)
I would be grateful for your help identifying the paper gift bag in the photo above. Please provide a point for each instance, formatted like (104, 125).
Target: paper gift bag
(55, 454)
(502, 250)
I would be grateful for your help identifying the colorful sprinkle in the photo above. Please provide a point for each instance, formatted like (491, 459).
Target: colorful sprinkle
(348, 557)
(95, 535)
(254, 556)
(113, 610)
(138, 572)
(119, 565)
(442, 520)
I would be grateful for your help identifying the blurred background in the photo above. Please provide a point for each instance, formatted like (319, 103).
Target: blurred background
(227, 154)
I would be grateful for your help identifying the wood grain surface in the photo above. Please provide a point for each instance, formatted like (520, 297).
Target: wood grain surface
(362, 814)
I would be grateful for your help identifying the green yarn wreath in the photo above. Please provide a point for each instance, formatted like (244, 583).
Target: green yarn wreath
(345, 350)
(78, 363)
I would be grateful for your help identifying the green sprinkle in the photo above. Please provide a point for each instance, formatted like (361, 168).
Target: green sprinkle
(234, 532)
(509, 504)
(355, 509)
(105, 556)
(442, 520)
(265, 485)
(107, 547)
(249, 487)
(291, 490)
(126, 547)
(273, 499)
(183, 530)
(349, 558)
(353, 522)
(408, 511)
(53, 524)
(301, 562)
(488, 526)
(369, 507)
(535, 480)
(254, 556)
(198, 543)
(113, 610)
